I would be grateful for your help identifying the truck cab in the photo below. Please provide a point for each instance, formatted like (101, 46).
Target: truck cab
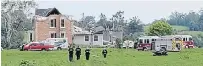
(188, 42)
(144, 43)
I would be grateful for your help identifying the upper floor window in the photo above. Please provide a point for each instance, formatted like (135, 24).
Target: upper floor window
(95, 38)
(53, 23)
(62, 23)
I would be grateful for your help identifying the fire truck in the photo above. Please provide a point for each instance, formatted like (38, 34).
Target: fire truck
(187, 41)
(168, 43)
(144, 43)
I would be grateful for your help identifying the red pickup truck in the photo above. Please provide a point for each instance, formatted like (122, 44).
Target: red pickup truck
(38, 46)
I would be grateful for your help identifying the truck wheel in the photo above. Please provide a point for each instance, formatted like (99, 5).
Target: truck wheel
(25, 49)
(144, 49)
(59, 48)
(154, 54)
(43, 49)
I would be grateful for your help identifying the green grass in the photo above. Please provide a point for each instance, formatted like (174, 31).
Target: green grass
(116, 57)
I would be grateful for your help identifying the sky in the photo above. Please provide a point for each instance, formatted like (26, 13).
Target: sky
(147, 11)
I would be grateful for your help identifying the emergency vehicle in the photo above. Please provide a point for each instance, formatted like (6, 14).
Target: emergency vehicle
(187, 41)
(168, 43)
(144, 43)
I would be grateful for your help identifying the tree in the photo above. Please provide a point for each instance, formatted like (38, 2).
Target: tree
(104, 22)
(87, 22)
(118, 43)
(159, 28)
(134, 26)
(118, 21)
(14, 15)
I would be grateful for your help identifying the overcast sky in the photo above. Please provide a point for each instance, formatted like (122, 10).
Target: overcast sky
(147, 11)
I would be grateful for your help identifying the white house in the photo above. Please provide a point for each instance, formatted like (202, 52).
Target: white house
(85, 38)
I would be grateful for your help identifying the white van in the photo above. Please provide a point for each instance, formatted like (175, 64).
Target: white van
(59, 43)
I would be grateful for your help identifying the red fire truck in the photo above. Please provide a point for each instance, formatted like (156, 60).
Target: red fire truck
(187, 41)
(144, 43)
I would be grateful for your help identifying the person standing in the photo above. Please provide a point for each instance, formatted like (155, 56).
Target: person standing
(87, 53)
(104, 52)
(78, 52)
(71, 53)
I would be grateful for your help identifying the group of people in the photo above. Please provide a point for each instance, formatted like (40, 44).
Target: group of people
(78, 53)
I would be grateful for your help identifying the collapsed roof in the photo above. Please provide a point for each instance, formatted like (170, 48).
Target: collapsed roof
(46, 12)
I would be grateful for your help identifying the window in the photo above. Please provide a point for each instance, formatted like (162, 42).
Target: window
(86, 38)
(95, 38)
(30, 36)
(53, 35)
(190, 39)
(62, 23)
(183, 39)
(141, 41)
(33, 44)
(53, 23)
(147, 40)
(42, 44)
(153, 39)
(62, 35)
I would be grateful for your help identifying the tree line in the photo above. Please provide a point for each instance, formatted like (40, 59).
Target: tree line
(192, 20)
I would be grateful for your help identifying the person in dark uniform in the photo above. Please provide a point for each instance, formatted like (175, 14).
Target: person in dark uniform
(70, 53)
(78, 52)
(104, 52)
(87, 53)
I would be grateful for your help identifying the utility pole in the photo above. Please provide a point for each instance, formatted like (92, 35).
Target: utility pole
(91, 36)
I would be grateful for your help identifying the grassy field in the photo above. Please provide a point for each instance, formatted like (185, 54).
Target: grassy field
(116, 57)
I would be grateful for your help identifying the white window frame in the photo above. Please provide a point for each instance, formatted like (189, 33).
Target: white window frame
(64, 35)
(88, 37)
(97, 37)
(52, 18)
(63, 21)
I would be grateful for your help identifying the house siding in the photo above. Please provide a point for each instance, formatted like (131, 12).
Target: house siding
(80, 40)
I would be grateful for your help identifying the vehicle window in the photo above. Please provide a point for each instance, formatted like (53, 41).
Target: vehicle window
(153, 39)
(141, 40)
(42, 44)
(190, 39)
(147, 40)
(177, 39)
(183, 39)
(33, 44)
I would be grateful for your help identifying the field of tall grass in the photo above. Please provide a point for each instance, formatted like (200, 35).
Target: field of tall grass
(116, 57)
